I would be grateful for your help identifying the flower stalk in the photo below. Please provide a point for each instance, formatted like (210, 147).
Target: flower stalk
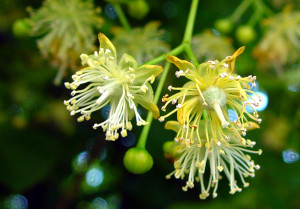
(122, 17)
(240, 10)
(143, 137)
(185, 46)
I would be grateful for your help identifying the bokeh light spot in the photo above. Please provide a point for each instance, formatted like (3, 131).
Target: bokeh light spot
(105, 112)
(293, 88)
(232, 115)
(254, 87)
(129, 140)
(99, 203)
(103, 154)
(290, 156)
(80, 162)
(262, 104)
(82, 158)
(16, 202)
(110, 11)
(94, 177)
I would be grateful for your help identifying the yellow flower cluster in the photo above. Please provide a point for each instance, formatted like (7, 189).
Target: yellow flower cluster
(65, 28)
(280, 45)
(204, 130)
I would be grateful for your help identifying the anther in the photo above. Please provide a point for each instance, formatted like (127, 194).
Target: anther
(178, 106)
(161, 119)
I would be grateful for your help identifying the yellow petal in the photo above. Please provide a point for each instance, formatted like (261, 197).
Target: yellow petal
(147, 71)
(172, 125)
(107, 45)
(146, 101)
(251, 125)
(233, 57)
(181, 64)
(179, 116)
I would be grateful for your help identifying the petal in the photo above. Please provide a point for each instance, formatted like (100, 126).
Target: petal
(149, 105)
(127, 61)
(173, 125)
(179, 116)
(151, 26)
(147, 72)
(107, 45)
(201, 69)
(181, 64)
(146, 100)
(231, 59)
(251, 125)
(131, 113)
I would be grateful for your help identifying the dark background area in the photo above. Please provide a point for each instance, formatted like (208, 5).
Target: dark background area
(45, 155)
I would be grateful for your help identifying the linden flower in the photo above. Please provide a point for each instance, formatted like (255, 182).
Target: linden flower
(204, 42)
(123, 85)
(280, 44)
(230, 158)
(65, 29)
(143, 44)
(213, 88)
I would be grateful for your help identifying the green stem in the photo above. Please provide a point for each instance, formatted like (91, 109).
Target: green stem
(191, 55)
(269, 12)
(122, 17)
(186, 45)
(144, 135)
(255, 17)
(190, 22)
(162, 57)
(239, 11)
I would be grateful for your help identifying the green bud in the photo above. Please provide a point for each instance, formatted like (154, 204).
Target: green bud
(167, 147)
(138, 9)
(170, 149)
(138, 160)
(21, 28)
(245, 34)
(224, 25)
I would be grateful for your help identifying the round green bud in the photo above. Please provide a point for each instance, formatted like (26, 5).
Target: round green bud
(245, 34)
(168, 147)
(21, 28)
(224, 25)
(138, 9)
(137, 160)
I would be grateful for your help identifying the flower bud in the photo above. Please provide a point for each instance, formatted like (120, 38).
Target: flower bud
(138, 9)
(224, 25)
(170, 151)
(138, 160)
(21, 28)
(245, 34)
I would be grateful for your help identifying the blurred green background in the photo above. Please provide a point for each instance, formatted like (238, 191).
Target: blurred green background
(48, 160)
